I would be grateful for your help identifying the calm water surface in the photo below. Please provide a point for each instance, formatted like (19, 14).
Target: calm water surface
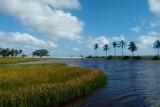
(130, 83)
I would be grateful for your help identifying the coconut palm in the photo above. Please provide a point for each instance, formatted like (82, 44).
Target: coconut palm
(157, 45)
(114, 44)
(132, 47)
(95, 48)
(122, 45)
(106, 48)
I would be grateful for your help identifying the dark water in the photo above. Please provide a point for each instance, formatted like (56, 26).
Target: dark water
(130, 83)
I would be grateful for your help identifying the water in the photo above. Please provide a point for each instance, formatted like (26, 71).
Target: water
(130, 83)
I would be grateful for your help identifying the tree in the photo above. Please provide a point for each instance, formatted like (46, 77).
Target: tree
(157, 45)
(132, 47)
(20, 51)
(122, 45)
(106, 48)
(114, 44)
(5, 52)
(12, 52)
(95, 48)
(16, 52)
(40, 53)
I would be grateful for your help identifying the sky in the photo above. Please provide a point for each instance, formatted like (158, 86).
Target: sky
(72, 27)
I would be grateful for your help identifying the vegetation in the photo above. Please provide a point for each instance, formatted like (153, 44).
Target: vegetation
(122, 45)
(16, 60)
(46, 84)
(132, 47)
(106, 48)
(157, 45)
(6, 52)
(40, 53)
(95, 48)
(114, 46)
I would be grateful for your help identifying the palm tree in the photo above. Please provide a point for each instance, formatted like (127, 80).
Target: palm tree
(157, 45)
(95, 48)
(114, 46)
(106, 48)
(122, 45)
(132, 47)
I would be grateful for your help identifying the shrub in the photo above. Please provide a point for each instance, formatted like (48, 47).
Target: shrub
(126, 57)
(156, 58)
(136, 57)
(109, 57)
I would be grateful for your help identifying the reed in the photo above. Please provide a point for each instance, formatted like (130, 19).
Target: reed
(46, 84)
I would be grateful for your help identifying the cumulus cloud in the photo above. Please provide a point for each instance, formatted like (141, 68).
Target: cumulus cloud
(46, 16)
(154, 6)
(136, 29)
(25, 39)
(102, 40)
(146, 41)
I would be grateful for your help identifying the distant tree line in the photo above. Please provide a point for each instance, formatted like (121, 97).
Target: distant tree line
(123, 45)
(6, 52)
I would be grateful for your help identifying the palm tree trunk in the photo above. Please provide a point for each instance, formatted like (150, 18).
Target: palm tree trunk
(96, 52)
(114, 51)
(158, 52)
(122, 51)
(106, 54)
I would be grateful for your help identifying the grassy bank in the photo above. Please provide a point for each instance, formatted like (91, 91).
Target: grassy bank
(47, 84)
(16, 60)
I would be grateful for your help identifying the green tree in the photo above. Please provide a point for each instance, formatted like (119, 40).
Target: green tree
(132, 47)
(157, 45)
(96, 46)
(20, 51)
(13, 52)
(40, 53)
(106, 48)
(122, 45)
(114, 44)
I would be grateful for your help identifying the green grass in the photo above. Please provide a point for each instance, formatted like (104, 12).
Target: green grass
(46, 84)
(16, 60)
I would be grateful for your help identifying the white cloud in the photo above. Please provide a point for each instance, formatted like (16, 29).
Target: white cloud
(146, 41)
(102, 40)
(25, 39)
(71, 4)
(155, 6)
(136, 29)
(75, 49)
(46, 16)
(117, 38)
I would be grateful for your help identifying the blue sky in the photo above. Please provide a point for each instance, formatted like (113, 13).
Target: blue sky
(72, 27)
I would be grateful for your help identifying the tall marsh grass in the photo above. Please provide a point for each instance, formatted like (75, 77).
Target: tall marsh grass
(46, 84)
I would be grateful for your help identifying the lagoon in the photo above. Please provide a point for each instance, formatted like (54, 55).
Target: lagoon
(131, 83)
